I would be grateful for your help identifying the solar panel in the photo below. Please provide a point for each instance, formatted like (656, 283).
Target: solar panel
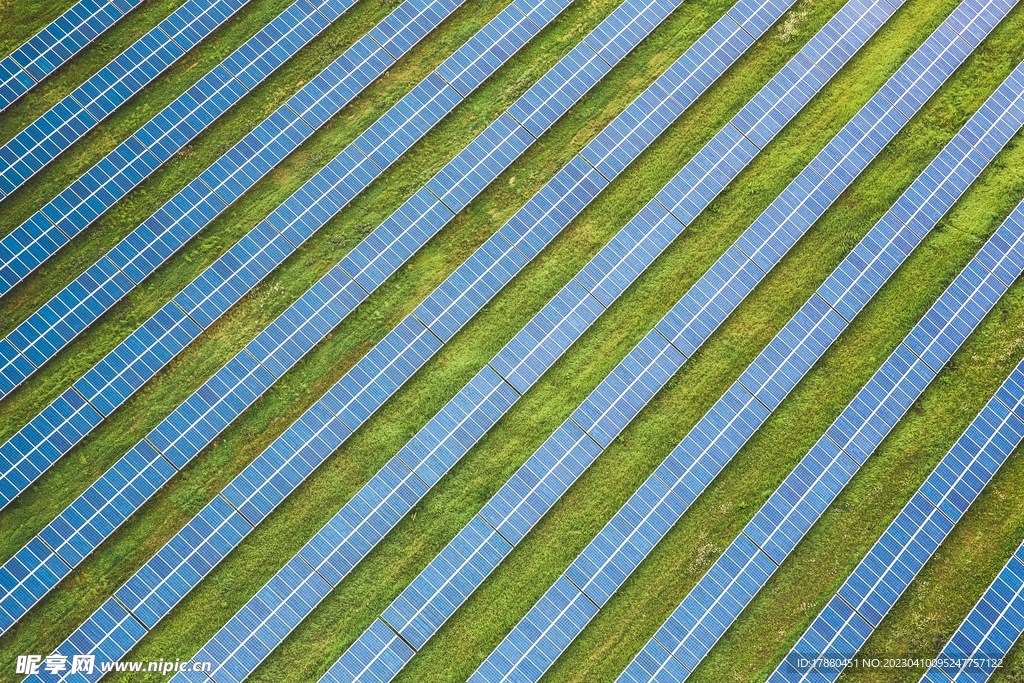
(365, 660)
(993, 625)
(56, 43)
(792, 509)
(105, 91)
(438, 590)
(407, 455)
(563, 609)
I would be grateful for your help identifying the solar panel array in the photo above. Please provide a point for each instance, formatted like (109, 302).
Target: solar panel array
(132, 161)
(38, 339)
(745, 566)
(71, 118)
(382, 651)
(628, 25)
(437, 592)
(849, 618)
(135, 360)
(132, 480)
(989, 630)
(355, 408)
(309, 440)
(58, 42)
(556, 619)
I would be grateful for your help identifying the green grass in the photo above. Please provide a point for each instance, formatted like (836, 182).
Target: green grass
(920, 623)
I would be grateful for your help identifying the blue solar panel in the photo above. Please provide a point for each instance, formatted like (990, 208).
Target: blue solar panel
(701, 180)
(57, 43)
(805, 494)
(111, 86)
(479, 163)
(547, 336)
(378, 655)
(544, 477)
(562, 610)
(955, 315)
(26, 577)
(462, 422)
(712, 442)
(552, 208)
(626, 27)
(873, 261)
(710, 301)
(993, 625)
(446, 582)
(877, 408)
(628, 387)
(379, 373)
(105, 504)
(915, 533)
(800, 499)
(558, 89)
(755, 17)
(110, 632)
(629, 252)
(491, 47)
(675, 90)
(602, 567)
(653, 663)
(363, 521)
(538, 484)
(295, 586)
(837, 629)
(410, 456)
(183, 561)
(792, 352)
(699, 621)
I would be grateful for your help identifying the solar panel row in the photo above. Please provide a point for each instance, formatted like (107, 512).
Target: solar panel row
(109, 88)
(867, 595)
(58, 42)
(132, 480)
(437, 592)
(135, 360)
(561, 614)
(992, 626)
(132, 161)
(745, 566)
(38, 339)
